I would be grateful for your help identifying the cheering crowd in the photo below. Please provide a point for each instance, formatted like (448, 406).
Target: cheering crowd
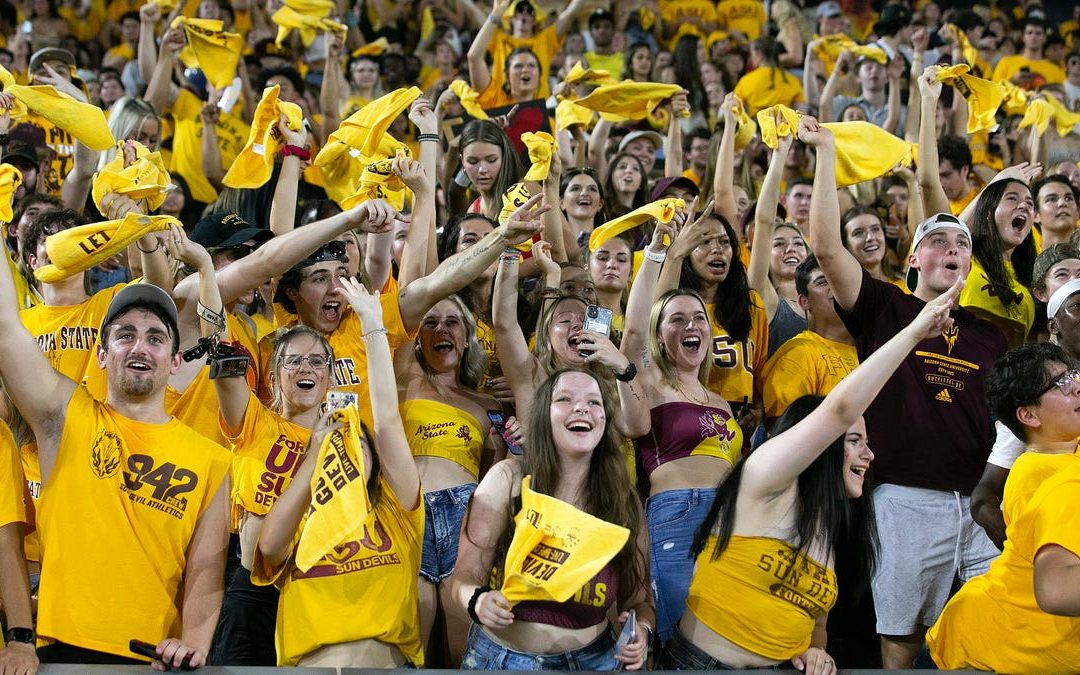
(644, 334)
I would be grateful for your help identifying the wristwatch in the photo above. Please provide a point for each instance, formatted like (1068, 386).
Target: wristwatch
(24, 635)
(629, 374)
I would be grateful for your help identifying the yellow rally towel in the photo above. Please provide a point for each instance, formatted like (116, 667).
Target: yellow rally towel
(628, 100)
(427, 23)
(339, 497)
(830, 47)
(10, 180)
(971, 55)
(342, 164)
(83, 121)
(1038, 113)
(541, 146)
(372, 48)
(556, 548)
(146, 180)
(568, 113)
(1016, 99)
(318, 8)
(580, 75)
(288, 19)
(211, 49)
(80, 248)
(772, 128)
(662, 209)
(745, 127)
(468, 97)
(983, 96)
(1064, 119)
(865, 151)
(255, 163)
(368, 124)
(378, 181)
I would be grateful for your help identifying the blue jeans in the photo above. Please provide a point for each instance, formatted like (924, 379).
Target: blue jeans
(443, 512)
(674, 517)
(484, 653)
(681, 654)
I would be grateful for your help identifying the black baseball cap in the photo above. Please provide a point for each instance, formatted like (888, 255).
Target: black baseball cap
(223, 230)
(143, 294)
(601, 15)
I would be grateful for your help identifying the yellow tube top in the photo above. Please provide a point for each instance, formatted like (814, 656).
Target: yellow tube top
(755, 597)
(436, 429)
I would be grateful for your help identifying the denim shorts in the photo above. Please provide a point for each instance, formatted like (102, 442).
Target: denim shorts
(681, 654)
(443, 512)
(484, 653)
(927, 538)
(674, 517)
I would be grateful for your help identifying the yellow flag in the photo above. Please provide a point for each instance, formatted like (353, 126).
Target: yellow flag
(339, 498)
(254, 165)
(10, 180)
(146, 180)
(662, 209)
(1016, 99)
(556, 548)
(628, 100)
(469, 99)
(215, 51)
(541, 146)
(971, 55)
(77, 249)
(83, 121)
(372, 48)
(983, 96)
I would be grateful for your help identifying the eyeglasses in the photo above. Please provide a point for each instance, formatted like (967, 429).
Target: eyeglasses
(1066, 382)
(294, 361)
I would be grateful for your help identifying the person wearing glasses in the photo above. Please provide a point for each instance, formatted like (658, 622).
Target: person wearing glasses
(268, 445)
(1022, 615)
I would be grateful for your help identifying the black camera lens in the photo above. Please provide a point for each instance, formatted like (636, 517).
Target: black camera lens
(594, 312)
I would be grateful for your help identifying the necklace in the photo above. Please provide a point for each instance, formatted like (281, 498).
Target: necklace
(691, 398)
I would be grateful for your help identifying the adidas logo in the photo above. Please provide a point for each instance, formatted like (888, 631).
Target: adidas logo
(943, 396)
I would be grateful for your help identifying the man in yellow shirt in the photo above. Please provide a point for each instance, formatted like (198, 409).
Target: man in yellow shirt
(1029, 69)
(134, 508)
(696, 154)
(954, 168)
(603, 55)
(53, 66)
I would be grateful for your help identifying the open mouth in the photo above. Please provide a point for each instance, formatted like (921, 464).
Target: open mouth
(331, 312)
(791, 260)
(584, 202)
(952, 267)
(306, 384)
(574, 340)
(139, 366)
(443, 346)
(579, 426)
(872, 248)
(718, 266)
(859, 471)
(1019, 223)
(691, 344)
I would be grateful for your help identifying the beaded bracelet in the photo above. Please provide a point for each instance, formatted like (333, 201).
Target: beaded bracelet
(372, 333)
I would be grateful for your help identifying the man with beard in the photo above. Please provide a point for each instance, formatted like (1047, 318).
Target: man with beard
(134, 503)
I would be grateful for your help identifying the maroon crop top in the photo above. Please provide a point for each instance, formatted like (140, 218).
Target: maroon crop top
(588, 607)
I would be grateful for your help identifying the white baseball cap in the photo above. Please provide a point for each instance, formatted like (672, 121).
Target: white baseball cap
(1060, 296)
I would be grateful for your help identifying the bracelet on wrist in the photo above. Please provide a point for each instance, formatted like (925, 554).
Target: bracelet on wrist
(654, 256)
(420, 138)
(471, 607)
(295, 151)
(153, 250)
(372, 333)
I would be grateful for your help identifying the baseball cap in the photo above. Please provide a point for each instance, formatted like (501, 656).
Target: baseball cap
(664, 184)
(50, 54)
(629, 138)
(142, 294)
(22, 151)
(940, 221)
(892, 18)
(601, 15)
(829, 9)
(1060, 296)
(223, 229)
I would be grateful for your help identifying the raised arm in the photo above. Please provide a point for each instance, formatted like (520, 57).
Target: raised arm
(158, 92)
(724, 176)
(895, 71)
(511, 346)
(828, 92)
(757, 273)
(78, 181)
(459, 270)
(283, 205)
(211, 148)
(420, 242)
(479, 72)
(149, 15)
(673, 150)
(842, 270)
(331, 89)
(775, 466)
(927, 164)
(395, 456)
(597, 144)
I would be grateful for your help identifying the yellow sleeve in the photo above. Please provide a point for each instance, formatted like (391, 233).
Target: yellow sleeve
(12, 508)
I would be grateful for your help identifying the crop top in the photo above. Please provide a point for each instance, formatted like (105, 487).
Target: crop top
(681, 429)
(588, 607)
(435, 429)
(754, 598)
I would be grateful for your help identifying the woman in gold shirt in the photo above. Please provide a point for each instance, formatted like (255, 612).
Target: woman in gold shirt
(764, 581)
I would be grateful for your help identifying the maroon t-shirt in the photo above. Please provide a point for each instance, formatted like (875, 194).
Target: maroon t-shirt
(930, 425)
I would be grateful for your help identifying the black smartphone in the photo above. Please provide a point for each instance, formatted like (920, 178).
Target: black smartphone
(150, 651)
(499, 422)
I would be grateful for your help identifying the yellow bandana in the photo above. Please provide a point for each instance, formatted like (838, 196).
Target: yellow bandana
(541, 146)
(1064, 119)
(629, 100)
(865, 151)
(83, 121)
(211, 49)
(146, 179)
(378, 181)
(983, 96)
(468, 97)
(80, 248)
(342, 164)
(339, 498)
(255, 163)
(662, 209)
(10, 180)
(556, 548)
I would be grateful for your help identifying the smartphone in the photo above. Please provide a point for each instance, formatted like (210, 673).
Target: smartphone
(27, 27)
(337, 400)
(499, 422)
(628, 634)
(150, 651)
(597, 319)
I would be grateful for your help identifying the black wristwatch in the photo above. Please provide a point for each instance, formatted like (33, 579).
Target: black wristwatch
(628, 374)
(24, 635)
